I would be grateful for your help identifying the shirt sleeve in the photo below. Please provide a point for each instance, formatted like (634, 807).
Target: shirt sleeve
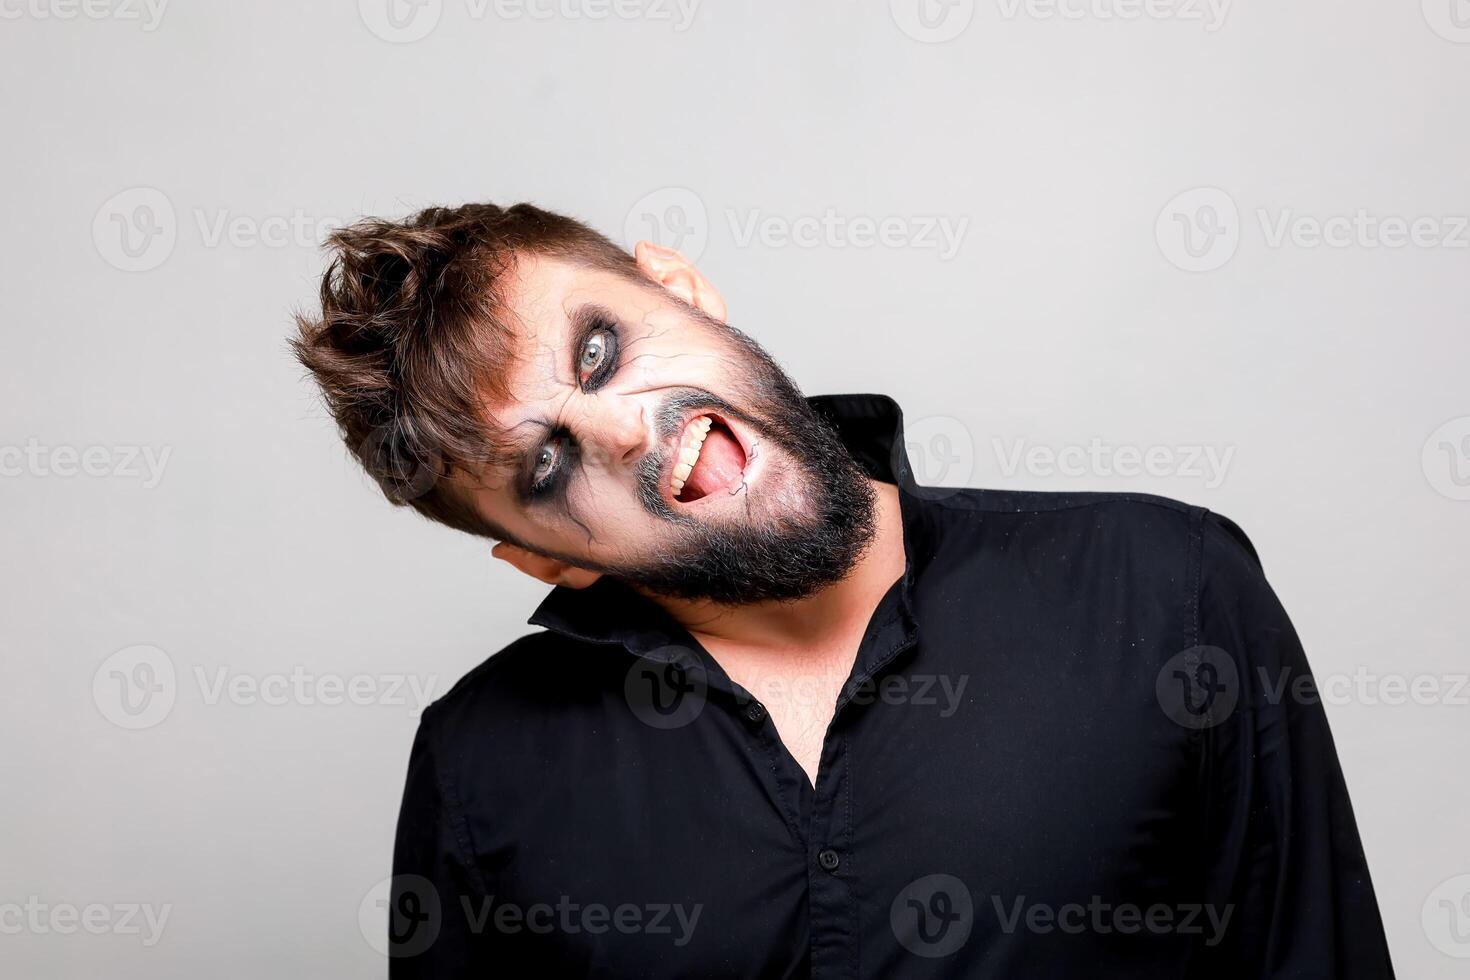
(435, 889)
(1283, 856)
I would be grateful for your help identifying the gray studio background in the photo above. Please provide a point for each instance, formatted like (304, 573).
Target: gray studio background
(1222, 249)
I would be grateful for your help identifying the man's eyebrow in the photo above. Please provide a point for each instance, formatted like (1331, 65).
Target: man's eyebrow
(506, 452)
(582, 321)
(512, 449)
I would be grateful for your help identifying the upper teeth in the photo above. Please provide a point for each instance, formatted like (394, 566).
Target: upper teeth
(689, 452)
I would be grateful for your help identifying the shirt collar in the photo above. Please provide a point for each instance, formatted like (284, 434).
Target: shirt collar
(871, 426)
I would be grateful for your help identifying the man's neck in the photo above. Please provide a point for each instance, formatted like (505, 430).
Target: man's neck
(808, 624)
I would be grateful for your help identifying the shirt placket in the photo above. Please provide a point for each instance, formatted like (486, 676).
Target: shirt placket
(829, 814)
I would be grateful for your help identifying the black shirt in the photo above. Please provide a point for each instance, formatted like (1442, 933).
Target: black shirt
(1077, 741)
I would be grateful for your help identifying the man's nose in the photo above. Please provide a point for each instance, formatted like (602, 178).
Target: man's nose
(613, 429)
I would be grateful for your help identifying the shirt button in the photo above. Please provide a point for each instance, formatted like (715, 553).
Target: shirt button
(755, 712)
(829, 860)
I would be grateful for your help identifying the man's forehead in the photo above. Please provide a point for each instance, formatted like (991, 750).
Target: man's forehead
(547, 300)
(541, 288)
(541, 303)
(537, 288)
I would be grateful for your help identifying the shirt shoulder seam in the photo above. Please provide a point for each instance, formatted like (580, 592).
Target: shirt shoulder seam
(1102, 499)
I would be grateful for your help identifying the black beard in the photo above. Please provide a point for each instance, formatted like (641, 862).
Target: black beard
(790, 557)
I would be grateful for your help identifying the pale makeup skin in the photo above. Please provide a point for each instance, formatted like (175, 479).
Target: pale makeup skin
(792, 655)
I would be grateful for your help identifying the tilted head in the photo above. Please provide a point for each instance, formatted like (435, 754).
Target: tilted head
(512, 373)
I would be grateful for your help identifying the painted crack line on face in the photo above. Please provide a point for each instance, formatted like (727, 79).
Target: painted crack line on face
(754, 455)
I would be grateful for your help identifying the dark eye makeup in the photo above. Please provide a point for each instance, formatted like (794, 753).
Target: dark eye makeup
(595, 359)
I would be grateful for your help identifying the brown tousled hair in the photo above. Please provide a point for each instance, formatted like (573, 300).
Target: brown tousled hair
(413, 340)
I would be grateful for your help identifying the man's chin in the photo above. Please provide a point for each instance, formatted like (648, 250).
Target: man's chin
(786, 559)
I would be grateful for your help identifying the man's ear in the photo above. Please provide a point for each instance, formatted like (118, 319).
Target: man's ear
(552, 571)
(678, 275)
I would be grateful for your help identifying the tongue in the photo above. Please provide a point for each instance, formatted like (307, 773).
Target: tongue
(720, 463)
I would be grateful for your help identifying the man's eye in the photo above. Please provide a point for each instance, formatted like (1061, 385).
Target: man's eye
(545, 467)
(596, 354)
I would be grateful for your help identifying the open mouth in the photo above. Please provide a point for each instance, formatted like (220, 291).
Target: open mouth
(710, 459)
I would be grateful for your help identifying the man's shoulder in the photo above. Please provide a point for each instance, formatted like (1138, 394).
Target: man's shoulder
(991, 500)
(1138, 526)
(1103, 510)
(532, 675)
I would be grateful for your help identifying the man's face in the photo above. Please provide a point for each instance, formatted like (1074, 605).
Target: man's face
(615, 385)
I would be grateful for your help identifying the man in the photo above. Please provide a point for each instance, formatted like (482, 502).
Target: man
(790, 713)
